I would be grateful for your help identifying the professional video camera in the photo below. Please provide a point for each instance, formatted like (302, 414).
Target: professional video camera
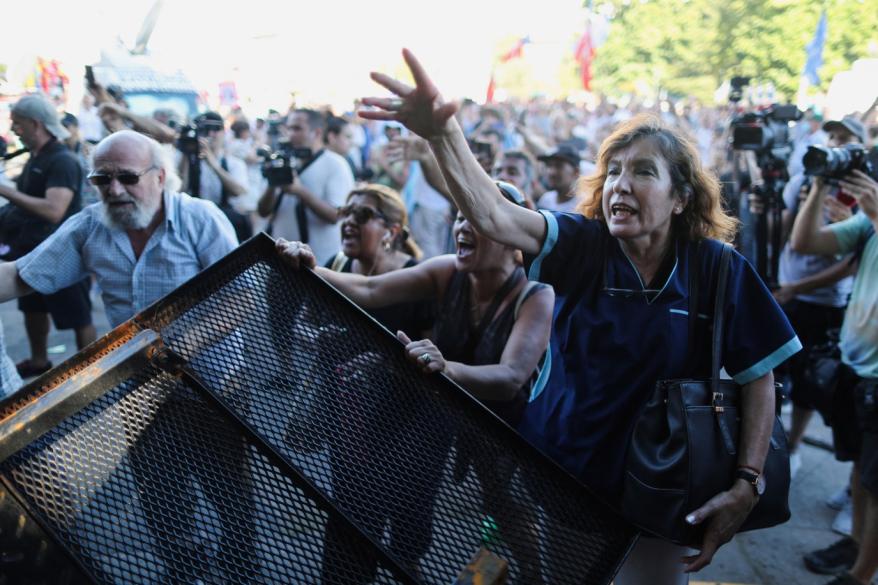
(187, 141)
(766, 133)
(280, 167)
(834, 164)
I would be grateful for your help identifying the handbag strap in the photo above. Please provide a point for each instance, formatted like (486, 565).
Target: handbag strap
(694, 273)
(719, 304)
(716, 349)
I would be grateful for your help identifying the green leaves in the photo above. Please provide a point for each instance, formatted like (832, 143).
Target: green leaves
(692, 46)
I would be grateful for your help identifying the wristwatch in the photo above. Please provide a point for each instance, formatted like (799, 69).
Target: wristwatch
(756, 480)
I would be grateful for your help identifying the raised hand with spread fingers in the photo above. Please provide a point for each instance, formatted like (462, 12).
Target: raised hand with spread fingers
(421, 109)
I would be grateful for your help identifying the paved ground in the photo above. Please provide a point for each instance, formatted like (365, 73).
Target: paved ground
(764, 557)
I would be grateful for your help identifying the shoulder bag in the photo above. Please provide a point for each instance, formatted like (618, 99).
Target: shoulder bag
(683, 450)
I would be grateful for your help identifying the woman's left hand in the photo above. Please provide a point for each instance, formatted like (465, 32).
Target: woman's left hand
(724, 514)
(423, 353)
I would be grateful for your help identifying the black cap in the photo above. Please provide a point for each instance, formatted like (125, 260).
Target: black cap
(210, 120)
(848, 123)
(564, 153)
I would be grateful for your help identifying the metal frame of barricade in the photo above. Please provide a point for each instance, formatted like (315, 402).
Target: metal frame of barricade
(182, 335)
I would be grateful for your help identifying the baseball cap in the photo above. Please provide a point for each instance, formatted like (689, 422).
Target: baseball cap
(849, 123)
(36, 107)
(564, 153)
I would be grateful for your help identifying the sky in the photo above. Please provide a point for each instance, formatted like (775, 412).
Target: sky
(324, 50)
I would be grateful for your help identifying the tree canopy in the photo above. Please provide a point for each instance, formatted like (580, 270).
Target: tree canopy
(689, 47)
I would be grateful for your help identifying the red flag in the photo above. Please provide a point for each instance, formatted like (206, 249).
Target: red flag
(489, 98)
(516, 51)
(584, 55)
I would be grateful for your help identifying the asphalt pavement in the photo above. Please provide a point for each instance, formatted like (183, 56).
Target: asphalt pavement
(764, 557)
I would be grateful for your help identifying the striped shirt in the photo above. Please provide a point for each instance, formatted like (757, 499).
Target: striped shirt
(193, 235)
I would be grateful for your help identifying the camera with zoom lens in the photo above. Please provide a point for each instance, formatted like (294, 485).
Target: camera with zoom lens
(187, 141)
(280, 168)
(834, 164)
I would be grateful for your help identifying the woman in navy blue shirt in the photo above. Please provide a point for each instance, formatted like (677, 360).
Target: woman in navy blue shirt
(620, 271)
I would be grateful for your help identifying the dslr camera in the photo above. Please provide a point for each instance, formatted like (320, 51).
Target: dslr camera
(279, 168)
(834, 164)
(187, 141)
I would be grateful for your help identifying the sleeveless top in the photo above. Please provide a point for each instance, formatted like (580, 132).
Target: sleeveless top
(478, 345)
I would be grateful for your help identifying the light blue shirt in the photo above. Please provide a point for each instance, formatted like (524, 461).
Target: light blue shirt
(10, 381)
(193, 235)
(859, 334)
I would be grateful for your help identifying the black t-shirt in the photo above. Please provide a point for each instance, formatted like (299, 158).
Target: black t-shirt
(53, 166)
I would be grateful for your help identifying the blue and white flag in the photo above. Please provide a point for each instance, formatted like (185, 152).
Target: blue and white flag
(815, 52)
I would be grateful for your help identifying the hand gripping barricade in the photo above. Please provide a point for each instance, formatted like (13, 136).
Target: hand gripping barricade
(254, 426)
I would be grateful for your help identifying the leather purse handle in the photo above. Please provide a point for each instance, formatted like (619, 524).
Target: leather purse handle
(718, 314)
(716, 348)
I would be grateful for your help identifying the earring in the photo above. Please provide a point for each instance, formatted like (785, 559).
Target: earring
(386, 242)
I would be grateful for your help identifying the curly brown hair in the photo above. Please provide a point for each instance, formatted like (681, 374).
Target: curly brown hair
(703, 216)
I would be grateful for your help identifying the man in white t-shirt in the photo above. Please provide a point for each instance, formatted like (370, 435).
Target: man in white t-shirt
(562, 171)
(307, 209)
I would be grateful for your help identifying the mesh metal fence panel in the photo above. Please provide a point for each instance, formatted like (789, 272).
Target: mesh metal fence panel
(152, 484)
(416, 464)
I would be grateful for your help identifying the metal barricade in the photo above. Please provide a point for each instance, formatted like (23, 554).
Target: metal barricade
(254, 426)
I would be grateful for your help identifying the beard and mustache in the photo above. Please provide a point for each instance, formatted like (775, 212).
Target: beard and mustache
(136, 216)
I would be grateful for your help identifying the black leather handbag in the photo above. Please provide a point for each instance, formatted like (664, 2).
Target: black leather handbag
(683, 450)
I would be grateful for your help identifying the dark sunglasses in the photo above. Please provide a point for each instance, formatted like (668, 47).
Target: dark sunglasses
(360, 213)
(125, 178)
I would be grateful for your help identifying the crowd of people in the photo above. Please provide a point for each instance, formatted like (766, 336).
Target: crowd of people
(495, 239)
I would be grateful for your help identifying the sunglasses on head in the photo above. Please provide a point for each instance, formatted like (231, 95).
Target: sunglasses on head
(360, 213)
(125, 177)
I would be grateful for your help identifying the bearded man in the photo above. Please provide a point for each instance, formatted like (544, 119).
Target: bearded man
(141, 241)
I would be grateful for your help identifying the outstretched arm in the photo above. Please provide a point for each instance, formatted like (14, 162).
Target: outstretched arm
(145, 124)
(423, 111)
(11, 284)
(419, 282)
(417, 149)
(809, 235)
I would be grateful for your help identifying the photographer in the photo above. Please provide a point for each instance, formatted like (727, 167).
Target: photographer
(814, 306)
(855, 416)
(219, 176)
(306, 209)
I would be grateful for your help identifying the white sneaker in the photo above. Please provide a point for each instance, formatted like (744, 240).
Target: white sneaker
(837, 500)
(843, 523)
(795, 464)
